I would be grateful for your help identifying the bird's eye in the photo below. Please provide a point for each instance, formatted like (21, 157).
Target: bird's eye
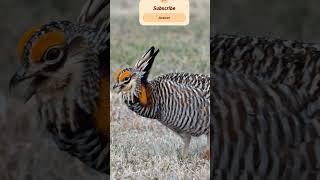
(126, 79)
(53, 54)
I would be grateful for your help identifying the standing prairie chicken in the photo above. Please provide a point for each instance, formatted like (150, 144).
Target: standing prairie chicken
(64, 66)
(180, 101)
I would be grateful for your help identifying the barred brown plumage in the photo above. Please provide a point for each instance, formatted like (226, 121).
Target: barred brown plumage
(265, 113)
(180, 101)
(65, 67)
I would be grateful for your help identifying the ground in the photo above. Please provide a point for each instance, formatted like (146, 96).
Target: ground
(144, 148)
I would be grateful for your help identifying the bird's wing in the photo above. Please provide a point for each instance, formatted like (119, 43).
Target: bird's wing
(197, 81)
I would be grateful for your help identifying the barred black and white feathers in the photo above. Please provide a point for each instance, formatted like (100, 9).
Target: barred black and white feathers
(278, 61)
(145, 63)
(261, 130)
(265, 116)
(180, 101)
(184, 101)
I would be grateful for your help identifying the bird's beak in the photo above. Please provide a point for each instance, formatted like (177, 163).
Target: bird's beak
(17, 79)
(116, 88)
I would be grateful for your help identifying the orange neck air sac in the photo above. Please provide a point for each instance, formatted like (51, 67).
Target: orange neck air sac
(143, 97)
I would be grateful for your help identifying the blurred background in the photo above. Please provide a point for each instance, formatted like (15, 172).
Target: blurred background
(143, 148)
(182, 48)
(26, 149)
(285, 19)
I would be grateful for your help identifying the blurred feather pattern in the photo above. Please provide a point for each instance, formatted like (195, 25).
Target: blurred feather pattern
(265, 108)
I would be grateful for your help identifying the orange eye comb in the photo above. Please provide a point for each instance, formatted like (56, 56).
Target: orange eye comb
(47, 40)
(124, 75)
(117, 73)
(40, 45)
(27, 35)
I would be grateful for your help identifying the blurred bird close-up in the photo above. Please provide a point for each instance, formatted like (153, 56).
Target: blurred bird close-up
(64, 66)
(265, 108)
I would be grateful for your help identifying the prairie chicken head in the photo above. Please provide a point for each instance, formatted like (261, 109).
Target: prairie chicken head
(52, 53)
(63, 64)
(128, 80)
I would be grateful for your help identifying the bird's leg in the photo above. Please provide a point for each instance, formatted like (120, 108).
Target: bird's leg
(206, 153)
(186, 140)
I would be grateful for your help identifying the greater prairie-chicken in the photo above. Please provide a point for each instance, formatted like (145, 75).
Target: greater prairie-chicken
(265, 113)
(180, 101)
(65, 67)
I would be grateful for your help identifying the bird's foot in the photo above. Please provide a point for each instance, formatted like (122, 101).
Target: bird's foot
(206, 153)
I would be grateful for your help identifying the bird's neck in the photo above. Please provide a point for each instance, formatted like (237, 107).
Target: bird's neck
(144, 103)
(74, 115)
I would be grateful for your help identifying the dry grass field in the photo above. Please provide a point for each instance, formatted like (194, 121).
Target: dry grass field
(143, 148)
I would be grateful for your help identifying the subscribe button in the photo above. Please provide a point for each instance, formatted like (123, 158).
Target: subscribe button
(164, 12)
(164, 17)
